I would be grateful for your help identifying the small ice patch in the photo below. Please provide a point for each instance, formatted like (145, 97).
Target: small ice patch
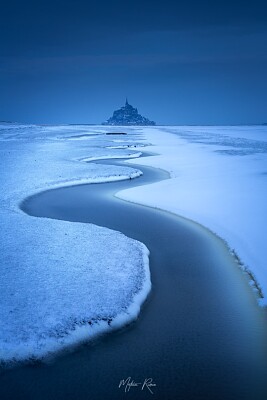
(127, 155)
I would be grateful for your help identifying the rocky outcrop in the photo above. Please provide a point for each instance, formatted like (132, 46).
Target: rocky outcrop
(128, 115)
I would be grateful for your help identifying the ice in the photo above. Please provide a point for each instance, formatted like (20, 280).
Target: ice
(219, 179)
(129, 155)
(41, 158)
(61, 282)
(58, 276)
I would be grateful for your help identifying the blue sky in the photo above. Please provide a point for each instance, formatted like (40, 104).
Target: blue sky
(179, 62)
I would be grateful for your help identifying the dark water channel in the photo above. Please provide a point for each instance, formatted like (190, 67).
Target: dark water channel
(200, 334)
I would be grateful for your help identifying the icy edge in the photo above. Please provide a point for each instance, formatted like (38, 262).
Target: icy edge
(84, 333)
(126, 156)
(82, 181)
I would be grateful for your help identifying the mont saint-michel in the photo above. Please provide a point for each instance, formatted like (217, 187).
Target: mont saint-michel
(128, 115)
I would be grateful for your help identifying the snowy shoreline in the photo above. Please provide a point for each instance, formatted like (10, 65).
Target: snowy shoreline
(218, 179)
(62, 282)
(81, 331)
(192, 192)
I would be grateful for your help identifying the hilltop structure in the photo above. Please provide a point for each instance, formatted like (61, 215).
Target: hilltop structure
(128, 115)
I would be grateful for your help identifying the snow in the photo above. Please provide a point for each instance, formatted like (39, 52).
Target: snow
(130, 155)
(42, 158)
(61, 282)
(218, 179)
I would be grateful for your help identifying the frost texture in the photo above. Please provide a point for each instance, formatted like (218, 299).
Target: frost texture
(219, 180)
(61, 282)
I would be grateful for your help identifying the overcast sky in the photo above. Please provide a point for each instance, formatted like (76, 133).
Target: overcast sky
(190, 62)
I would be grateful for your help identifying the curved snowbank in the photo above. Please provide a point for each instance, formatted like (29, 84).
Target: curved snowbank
(127, 155)
(218, 179)
(61, 282)
(67, 282)
(133, 173)
(33, 161)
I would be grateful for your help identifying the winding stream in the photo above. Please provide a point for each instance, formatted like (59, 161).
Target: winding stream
(200, 334)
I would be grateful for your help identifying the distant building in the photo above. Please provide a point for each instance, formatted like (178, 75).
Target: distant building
(128, 115)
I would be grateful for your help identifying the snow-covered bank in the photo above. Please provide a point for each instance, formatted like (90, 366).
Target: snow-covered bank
(118, 156)
(218, 178)
(61, 282)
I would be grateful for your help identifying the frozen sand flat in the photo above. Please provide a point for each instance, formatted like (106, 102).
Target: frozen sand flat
(57, 276)
(219, 179)
(194, 330)
(60, 276)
